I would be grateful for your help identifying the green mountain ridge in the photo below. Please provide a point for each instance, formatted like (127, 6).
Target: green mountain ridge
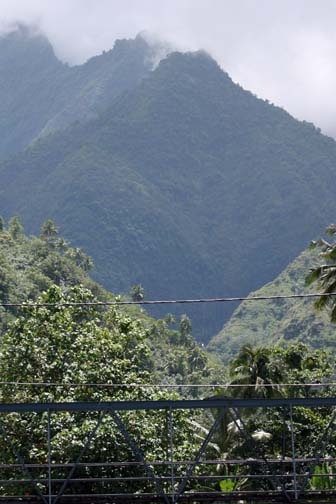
(185, 183)
(41, 95)
(278, 321)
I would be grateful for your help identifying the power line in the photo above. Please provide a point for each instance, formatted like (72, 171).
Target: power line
(167, 385)
(168, 301)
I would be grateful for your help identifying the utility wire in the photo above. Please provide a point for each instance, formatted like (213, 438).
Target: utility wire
(167, 385)
(169, 301)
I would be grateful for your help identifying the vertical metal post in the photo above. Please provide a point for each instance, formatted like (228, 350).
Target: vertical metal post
(171, 444)
(284, 433)
(49, 457)
(293, 452)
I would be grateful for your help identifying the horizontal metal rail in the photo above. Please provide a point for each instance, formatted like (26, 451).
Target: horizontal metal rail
(212, 403)
(159, 463)
(316, 497)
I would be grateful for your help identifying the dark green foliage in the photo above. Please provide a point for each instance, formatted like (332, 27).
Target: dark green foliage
(278, 372)
(270, 371)
(185, 326)
(265, 433)
(178, 360)
(15, 228)
(69, 347)
(259, 370)
(49, 231)
(28, 266)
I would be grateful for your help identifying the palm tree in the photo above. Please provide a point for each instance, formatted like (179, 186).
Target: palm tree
(137, 293)
(325, 274)
(257, 371)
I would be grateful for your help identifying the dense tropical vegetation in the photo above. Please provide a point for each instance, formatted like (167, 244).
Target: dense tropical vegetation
(58, 346)
(54, 350)
(61, 352)
(30, 266)
(173, 178)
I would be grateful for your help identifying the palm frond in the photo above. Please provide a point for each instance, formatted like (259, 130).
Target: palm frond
(314, 275)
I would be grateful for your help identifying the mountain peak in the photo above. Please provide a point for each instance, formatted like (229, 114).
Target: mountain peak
(26, 45)
(196, 66)
(20, 31)
(22, 34)
(146, 46)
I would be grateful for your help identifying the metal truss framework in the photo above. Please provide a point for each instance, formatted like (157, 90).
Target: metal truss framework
(284, 479)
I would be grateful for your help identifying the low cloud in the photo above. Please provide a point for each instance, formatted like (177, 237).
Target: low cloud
(280, 50)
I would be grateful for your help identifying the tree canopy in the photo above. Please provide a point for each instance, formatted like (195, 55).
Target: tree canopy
(66, 349)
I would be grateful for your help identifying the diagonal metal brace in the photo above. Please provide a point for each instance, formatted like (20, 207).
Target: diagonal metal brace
(199, 455)
(140, 456)
(21, 461)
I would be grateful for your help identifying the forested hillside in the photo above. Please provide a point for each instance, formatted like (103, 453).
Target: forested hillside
(278, 321)
(32, 266)
(185, 183)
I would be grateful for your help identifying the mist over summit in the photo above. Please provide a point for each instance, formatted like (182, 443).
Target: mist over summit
(41, 95)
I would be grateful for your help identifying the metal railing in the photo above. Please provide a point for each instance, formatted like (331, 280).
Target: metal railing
(141, 479)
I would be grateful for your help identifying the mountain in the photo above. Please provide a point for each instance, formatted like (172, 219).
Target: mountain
(40, 95)
(185, 183)
(278, 321)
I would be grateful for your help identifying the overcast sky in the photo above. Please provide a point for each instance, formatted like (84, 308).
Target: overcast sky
(282, 50)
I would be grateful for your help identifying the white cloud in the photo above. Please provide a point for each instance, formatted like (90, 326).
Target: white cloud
(282, 50)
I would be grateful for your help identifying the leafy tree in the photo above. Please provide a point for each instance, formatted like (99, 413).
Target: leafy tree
(185, 327)
(303, 365)
(15, 228)
(49, 231)
(170, 319)
(68, 352)
(30, 266)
